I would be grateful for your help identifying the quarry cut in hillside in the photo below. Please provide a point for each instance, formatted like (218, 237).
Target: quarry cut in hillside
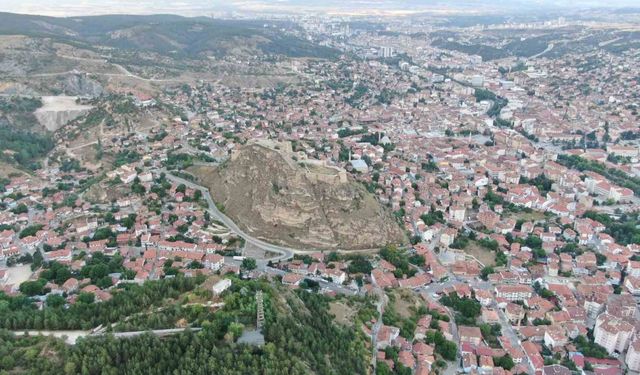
(278, 196)
(57, 111)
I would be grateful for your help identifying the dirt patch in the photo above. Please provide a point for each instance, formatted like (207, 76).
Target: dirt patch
(59, 110)
(210, 282)
(202, 294)
(255, 252)
(105, 193)
(486, 256)
(7, 170)
(528, 216)
(263, 80)
(18, 274)
(343, 313)
(88, 156)
(403, 302)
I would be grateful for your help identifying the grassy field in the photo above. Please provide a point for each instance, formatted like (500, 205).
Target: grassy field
(403, 300)
(343, 313)
(8, 170)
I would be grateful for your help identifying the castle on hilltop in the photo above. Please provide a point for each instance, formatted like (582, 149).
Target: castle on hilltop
(315, 170)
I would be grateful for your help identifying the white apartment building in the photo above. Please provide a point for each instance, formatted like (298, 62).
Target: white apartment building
(517, 292)
(613, 333)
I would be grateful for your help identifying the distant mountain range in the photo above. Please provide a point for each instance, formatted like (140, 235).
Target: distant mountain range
(166, 34)
(373, 7)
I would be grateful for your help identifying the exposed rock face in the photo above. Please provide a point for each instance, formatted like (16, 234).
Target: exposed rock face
(81, 85)
(57, 111)
(275, 198)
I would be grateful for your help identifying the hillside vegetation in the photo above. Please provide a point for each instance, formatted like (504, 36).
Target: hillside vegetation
(165, 34)
(300, 334)
(22, 139)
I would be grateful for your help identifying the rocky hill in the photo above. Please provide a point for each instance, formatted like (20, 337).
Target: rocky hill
(302, 204)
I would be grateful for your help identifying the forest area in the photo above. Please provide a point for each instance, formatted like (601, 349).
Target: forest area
(18, 140)
(299, 331)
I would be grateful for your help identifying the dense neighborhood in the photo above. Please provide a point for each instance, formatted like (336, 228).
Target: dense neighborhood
(515, 180)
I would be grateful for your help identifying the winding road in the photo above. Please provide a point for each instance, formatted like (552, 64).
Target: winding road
(380, 306)
(122, 69)
(285, 252)
(549, 48)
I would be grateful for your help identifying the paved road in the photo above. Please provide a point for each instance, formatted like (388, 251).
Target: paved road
(326, 285)
(510, 333)
(454, 367)
(71, 337)
(549, 48)
(380, 305)
(437, 288)
(507, 328)
(157, 332)
(123, 72)
(122, 69)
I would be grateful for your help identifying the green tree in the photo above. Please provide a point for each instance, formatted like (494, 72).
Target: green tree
(383, 369)
(86, 298)
(485, 272)
(37, 260)
(32, 288)
(30, 230)
(55, 300)
(248, 264)
(488, 243)
(359, 264)
(506, 362)
(447, 350)
(20, 209)
(236, 329)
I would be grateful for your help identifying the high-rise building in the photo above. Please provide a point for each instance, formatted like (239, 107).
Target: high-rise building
(477, 81)
(633, 355)
(613, 333)
(385, 52)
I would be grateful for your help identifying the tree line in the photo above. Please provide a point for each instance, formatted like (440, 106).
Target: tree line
(299, 332)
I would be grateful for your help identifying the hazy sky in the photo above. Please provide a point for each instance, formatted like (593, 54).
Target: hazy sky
(199, 7)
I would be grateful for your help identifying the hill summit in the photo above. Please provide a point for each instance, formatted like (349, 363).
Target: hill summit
(281, 197)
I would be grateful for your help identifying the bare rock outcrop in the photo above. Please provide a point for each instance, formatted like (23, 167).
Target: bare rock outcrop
(304, 205)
